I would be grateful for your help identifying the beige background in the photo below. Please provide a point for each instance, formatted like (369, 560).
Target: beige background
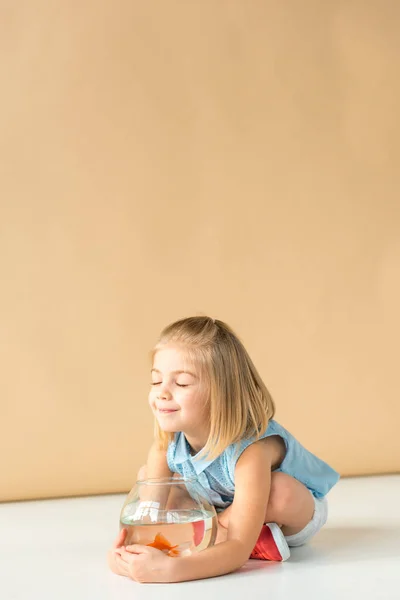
(162, 159)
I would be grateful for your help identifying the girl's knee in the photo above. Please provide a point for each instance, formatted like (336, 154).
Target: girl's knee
(282, 492)
(285, 494)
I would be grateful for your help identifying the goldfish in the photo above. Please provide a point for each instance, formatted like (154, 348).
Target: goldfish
(161, 543)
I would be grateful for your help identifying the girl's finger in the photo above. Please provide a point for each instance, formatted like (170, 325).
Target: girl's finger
(138, 549)
(122, 565)
(121, 552)
(120, 538)
(126, 556)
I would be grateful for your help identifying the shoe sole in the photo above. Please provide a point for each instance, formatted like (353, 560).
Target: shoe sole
(280, 541)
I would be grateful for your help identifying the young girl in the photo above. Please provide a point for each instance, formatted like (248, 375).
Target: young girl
(214, 420)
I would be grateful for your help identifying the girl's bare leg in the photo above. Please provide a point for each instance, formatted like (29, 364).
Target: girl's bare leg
(290, 505)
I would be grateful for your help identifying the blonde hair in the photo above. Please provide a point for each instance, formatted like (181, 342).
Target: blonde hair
(240, 406)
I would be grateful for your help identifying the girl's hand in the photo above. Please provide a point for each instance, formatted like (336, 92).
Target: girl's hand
(119, 542)
(143, 563)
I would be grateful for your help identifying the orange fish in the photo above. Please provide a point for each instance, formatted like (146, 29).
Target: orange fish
(161, 543)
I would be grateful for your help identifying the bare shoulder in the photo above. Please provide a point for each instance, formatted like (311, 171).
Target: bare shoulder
(271, 448)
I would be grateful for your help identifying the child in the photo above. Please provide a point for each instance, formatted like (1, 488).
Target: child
(214, 419)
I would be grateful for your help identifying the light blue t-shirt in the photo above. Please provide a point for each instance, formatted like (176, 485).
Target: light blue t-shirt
(217, 476)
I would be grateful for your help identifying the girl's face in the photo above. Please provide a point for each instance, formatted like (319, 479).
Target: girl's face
(177, 397)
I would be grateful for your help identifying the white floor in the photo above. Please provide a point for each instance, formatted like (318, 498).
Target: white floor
(56, 549)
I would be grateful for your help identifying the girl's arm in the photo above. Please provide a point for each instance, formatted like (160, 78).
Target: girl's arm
(156, 468)
(157, 465)
(252, 488)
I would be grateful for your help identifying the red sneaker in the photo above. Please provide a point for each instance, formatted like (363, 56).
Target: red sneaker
(271, 544)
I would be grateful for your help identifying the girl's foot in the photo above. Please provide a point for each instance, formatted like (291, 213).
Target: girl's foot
(271, 544)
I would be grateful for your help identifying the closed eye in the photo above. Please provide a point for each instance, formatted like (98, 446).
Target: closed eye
(178, 384)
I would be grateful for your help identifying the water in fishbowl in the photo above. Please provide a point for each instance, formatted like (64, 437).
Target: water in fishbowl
(177, 533)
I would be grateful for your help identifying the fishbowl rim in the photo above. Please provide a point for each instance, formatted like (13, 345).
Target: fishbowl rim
(166, 480)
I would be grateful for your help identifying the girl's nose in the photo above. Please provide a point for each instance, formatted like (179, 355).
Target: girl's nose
(164, 392)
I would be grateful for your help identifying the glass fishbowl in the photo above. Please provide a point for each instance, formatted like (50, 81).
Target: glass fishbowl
(172, 514)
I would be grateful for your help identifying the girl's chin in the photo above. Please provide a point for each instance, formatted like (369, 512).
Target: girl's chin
(167, 429)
